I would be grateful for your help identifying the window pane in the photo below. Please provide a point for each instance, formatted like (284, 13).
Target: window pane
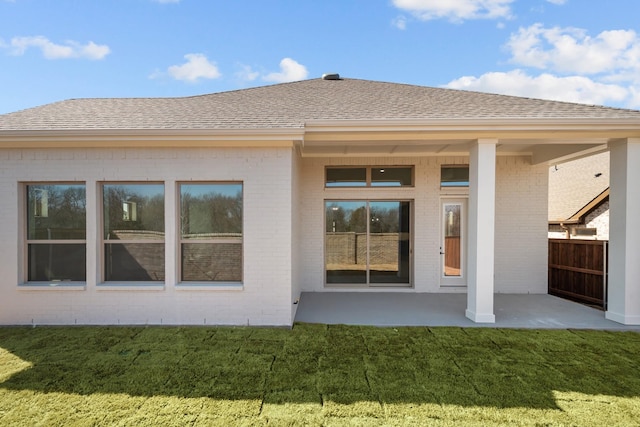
(133, 211)
(134, 262)
(346, 177)
(211, 210)
(389, 252)
(454, 176)
(346, 242)
(218, 262)
(57, 262)
(391, 177)
(452, 241)
(56, 212)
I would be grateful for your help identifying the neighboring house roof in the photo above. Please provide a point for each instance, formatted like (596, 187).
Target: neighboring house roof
(291, 105)
(577, 187)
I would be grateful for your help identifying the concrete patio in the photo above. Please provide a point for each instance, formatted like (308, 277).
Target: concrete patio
(430, 309)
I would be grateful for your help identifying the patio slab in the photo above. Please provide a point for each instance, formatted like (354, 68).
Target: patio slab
(431, 309)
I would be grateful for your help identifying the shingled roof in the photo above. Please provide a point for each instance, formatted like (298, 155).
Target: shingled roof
(291, 105)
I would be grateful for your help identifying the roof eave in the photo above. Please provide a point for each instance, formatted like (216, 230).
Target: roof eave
(149, 138)
(493, 124)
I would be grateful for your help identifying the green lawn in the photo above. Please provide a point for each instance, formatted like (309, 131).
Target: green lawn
(317, 375)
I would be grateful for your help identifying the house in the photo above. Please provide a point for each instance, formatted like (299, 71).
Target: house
(579, 198)
(223, 208)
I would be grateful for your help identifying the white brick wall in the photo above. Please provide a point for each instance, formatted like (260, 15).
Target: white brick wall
(599, 219)
(265, 296)
(521, 221)
(283, 232)
(521, 226)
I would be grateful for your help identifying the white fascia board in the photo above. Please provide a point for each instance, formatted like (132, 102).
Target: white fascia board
(151, 138)
(465, 125)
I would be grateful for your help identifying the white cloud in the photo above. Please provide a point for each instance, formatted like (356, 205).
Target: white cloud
(546, 86)
(246, 73)
(290, 71)
(400, 23)
(71, 49)
(558, 2)
(634, 102)
(572, 50)
(197, 67)
(456, 10)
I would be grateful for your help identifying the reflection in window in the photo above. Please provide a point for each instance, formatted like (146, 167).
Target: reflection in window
(454, 176)
(367, 242)
(133, 224)
(211, 232)
(392, 177)
(56, 232)
(452, 239)
(346, 242)
(346, 177)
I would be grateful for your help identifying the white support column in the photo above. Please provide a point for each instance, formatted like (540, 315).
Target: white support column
(482, 195)
(624, 233)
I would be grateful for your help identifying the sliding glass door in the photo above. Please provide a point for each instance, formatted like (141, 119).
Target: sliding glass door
(368, 243)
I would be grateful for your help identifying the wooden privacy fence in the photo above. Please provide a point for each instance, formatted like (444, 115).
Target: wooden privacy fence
(578, 270)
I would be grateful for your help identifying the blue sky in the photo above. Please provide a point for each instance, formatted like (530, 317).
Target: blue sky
(574, 50)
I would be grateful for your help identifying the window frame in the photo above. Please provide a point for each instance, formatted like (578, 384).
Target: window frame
(23, 226)
(104, 242)
(181, 241)
(454, 184)
(369, 183)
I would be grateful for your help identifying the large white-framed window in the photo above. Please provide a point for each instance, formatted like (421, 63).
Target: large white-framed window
(211, 224)
(133, 232)
(55, 232)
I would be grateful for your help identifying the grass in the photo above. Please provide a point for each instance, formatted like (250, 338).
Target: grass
(317, 375)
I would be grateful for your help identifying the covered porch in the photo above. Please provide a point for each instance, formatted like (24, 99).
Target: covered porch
(431, 309)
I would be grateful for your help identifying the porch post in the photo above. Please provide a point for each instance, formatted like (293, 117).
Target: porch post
(624, 233)
(482, 189)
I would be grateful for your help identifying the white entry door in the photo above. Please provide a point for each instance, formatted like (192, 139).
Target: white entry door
(453, 242)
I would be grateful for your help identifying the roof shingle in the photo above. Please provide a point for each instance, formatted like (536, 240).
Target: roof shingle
(291, 105)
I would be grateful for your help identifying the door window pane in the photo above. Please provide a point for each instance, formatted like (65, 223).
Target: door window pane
(452, 240)
(367, 242)
(389, 242)
(211, 232)
(346, 242)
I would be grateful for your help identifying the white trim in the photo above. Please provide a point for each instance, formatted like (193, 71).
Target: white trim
(128, 286)
(621, 318)
(480, 317)
(53, 286)
(208, 286)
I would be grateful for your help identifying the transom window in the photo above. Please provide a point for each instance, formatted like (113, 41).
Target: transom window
(392, 176)
(211, 232)
(56, 232)
(133, 225)
(454, 176)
